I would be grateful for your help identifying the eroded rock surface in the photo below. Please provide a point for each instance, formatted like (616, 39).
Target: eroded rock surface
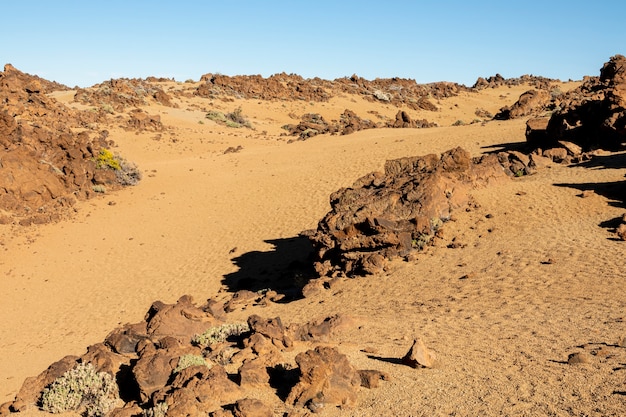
(385, 215)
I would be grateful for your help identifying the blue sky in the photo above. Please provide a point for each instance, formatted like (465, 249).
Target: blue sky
(86, 42)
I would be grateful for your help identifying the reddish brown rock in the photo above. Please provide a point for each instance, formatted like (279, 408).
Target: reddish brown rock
(419, 356)
(591, 116)
(251, 407)
(370, 378)
(181, 320)
(387, 215)
(254, 373)
(326, 379)
(531, 102)
(156, 364)
(30, 392)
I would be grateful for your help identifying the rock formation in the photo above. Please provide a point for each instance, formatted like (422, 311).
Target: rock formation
(44, 164)
(385, 215)
(592, 116)
(185, 359)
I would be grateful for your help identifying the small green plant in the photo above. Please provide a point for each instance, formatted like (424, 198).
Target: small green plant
(216, 116)
(99, 188)
(219, 334)
(126, 172)
(159, 410)
(186, 361)
(237, 118)
(81, 387)
(106, 160)
(458, 123)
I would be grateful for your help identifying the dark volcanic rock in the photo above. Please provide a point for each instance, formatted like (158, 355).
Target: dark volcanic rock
(591, 116)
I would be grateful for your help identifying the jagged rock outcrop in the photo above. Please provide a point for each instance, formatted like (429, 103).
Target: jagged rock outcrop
(592, 116)
(44, 164)
(121, 93)
(403, 120)
(314, 124)
(385, 215)
(189, 360)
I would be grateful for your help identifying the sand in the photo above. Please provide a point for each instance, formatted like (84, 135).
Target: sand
(539, 277)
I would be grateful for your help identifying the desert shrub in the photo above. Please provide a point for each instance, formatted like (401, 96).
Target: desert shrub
(216, 116)
(186, 361)
(128, 174)
(219, 334)
(237, 118)
(106, 160)
(99, 188)
(159, 410)
(458, 123)
(81, 387)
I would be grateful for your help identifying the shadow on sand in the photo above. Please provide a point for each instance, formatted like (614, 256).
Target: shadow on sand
(507, 147)
(286, 269)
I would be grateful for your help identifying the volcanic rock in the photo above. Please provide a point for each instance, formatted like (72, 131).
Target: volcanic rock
(419, 356)
(592, 116)
(530, 102)
(326, 379)
(46, 165)
(387, 215)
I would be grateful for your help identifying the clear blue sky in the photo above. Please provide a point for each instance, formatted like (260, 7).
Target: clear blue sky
(88, 41)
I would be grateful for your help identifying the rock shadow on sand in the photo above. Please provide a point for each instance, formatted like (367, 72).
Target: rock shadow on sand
(613, 191)
(286, 269)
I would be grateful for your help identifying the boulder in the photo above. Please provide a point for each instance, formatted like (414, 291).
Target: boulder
(419, 356)
(326, 379)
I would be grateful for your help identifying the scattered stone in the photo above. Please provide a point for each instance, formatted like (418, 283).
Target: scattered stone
(419, 356)
(371, 378)
(587, 193)
(592, 116)
(578, 358)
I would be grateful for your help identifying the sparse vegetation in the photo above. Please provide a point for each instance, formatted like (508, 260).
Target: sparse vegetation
(159, 410)
(219, 334)
(126, 172)
(186, 361)
(234, 119)
(106, 160)
(83, 389)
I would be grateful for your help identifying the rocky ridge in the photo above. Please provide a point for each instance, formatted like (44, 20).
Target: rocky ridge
(48, 152)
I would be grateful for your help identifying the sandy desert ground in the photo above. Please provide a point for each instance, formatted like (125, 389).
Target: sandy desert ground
(540, 275)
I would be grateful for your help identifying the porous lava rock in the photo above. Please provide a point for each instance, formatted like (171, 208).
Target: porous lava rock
(592, 116)
(326, 379)
(47, 151)
(313, 124)
(225, 377)
(403, 120)
(529, 103)
(121, 93)
(385, 215)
